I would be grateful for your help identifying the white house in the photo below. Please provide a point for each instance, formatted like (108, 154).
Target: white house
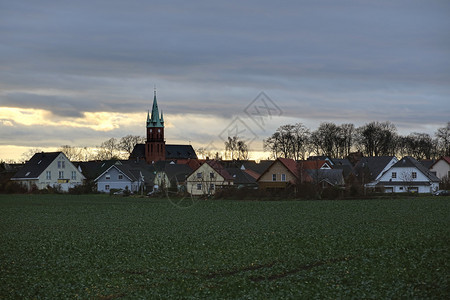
(119, 176)
(441, 168)
(207, 178)
(408, 175)
(49, 169)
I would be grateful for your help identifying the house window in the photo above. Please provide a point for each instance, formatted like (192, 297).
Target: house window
(199, 187)
(48, 175)
(61, 175)
(120, 177)
(199, 175)
(274, 177)
(283, 177)
(414, 175)
(211, 187)
(394, 174)
(108, 176)
(61, 164)
(74, 175)
(211, 175)
(107, 187)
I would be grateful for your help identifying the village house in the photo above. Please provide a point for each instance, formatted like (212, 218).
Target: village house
(281, 173)
(119, 177)
(208, 178)
(49, 169)
(408, 175)
(441, 168)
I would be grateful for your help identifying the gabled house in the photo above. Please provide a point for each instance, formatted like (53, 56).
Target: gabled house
(208, 178)
(408, 175)
(441, 168)
(370, 169)
(281, 173)
(52, 169)
(119, 176)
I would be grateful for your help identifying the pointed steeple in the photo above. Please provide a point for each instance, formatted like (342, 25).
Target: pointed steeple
(162, 118)
(148, 118)
(155, 121)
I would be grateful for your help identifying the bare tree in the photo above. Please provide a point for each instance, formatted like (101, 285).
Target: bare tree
(29, 154)
(377, 138)
(72, 153)
(443, 137)
(236, 148)
(128, 142)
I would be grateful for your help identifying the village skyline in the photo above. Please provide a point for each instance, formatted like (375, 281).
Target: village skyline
(80, 73)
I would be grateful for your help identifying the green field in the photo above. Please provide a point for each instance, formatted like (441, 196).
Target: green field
(102, 247)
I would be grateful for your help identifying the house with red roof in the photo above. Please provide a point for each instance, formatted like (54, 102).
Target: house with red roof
(281, 173)
(208, 178)
(441, 168)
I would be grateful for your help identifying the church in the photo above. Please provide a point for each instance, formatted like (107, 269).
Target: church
(155, 148)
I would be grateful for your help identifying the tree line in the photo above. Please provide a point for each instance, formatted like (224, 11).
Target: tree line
(371, 139)
(113, 148)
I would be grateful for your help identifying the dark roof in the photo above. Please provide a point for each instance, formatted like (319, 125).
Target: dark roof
(332, 176)
(259, 168)
(427, 163)
(180, 152)
(374, 165)
(138, 152)
(92, 169)
(410, 162)
(172, 152)
(36, 165)
(241, 176)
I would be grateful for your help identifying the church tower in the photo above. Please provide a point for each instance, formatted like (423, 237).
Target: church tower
(155, 146)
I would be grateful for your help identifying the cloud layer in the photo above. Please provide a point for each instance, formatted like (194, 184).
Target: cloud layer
(342, 61)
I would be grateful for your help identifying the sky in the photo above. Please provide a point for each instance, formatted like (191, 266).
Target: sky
(80, 72)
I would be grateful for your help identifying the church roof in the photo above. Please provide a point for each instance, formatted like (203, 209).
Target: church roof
(172, 152)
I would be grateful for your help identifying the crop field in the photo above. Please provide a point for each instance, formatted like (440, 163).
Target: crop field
(103, 247)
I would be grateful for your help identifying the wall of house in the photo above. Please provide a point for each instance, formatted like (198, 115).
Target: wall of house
(67, 181)
(193, 181)
(277, 168)
(404, 176)
(442, 169)
(421, 189)
(105, 185)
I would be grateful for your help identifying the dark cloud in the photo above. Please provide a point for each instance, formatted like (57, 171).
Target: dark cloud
(320, 60)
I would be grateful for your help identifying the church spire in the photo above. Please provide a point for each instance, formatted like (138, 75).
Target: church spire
(155, 121)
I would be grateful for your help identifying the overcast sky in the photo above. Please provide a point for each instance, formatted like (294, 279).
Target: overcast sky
(80, 72)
